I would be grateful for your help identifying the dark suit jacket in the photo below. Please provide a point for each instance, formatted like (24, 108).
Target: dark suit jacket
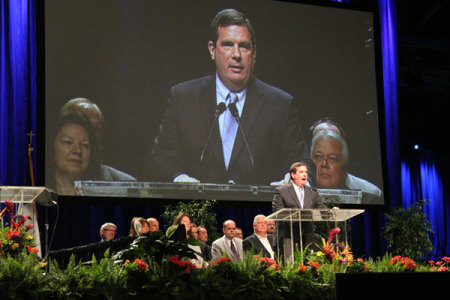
(285, 197)
(270, 122)
(253, 241)
(206, 251)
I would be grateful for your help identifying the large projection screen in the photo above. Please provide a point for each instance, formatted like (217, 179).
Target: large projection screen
(126, 55)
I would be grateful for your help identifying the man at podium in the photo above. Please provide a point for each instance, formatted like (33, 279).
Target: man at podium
(297, 194)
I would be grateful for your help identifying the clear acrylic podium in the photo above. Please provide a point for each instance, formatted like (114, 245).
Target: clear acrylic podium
(25, 197)
(296, 215)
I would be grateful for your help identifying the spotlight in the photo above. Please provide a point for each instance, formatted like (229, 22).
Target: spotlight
(416, 147)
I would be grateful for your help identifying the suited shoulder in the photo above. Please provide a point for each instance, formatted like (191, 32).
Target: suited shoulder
(270, 91)
(283, 187)
(311, 189)
(195, 84)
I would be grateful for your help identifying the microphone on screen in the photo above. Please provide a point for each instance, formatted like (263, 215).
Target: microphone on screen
(220, 108)
(233, 109)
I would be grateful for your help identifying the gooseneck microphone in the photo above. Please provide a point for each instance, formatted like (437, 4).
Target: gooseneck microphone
(220, 108)
(233, 109)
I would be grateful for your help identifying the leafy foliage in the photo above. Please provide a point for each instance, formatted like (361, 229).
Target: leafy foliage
(154, 247)
(99, 280)
(406, 231)
(200, 212)
(22, 278)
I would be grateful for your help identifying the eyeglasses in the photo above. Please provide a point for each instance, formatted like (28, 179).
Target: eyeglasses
(331, 159)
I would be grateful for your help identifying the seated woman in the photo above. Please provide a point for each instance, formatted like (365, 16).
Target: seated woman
(74, 155)
(139, 226)
(185, 219)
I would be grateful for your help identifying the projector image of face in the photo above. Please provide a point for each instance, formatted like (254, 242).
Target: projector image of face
(169, 91)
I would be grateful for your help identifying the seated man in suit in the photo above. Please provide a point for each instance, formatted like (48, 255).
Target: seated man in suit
(228, 244)
(203, 238)
(259, 241)
(108, 231)
(239, 233)
(298, 195)
(229, 127)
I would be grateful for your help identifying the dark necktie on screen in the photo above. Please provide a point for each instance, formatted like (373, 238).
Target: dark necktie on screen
(229, 129)
(235, 253)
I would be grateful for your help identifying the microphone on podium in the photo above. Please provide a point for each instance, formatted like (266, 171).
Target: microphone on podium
(220, 108)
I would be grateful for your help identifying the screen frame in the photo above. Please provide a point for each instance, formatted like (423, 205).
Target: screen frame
(41, 110)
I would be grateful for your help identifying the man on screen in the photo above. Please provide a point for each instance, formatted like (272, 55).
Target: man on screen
(329, 151)
(228, 127)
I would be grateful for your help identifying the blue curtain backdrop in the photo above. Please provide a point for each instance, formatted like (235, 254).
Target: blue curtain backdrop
(418, 179)
(422, 179)
(18, 89)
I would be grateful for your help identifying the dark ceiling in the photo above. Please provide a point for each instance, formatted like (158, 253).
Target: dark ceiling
(424, 74)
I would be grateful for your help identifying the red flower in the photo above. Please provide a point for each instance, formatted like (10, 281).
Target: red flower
(268, 260)
(444, 269)
(20, 220)
(406, 262)
(302, 269)
(28, 227)
(333, 232)
(446, 259)
(32, 250)
(224, 260)
(438, 263)
(185, 265)
(141, 264)
(270, 263)
(314, 264)
(12, 234)
(395, 259)
(431, 262)
(10, 208)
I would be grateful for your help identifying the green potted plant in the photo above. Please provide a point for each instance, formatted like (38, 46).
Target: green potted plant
(407, 231)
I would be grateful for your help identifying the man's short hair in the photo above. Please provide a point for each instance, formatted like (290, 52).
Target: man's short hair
(294, 167)
(229, 17)
(255, 219)
(333, 135)
(226, 222)
(107, 225)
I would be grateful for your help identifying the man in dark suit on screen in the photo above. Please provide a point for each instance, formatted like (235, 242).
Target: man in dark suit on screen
(228, 127)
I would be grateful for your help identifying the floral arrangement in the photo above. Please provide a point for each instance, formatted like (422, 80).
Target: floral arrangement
(17, 237)
(138, 264)
(178, 264)
(441, 265)
(267, 263)
(403, 262)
